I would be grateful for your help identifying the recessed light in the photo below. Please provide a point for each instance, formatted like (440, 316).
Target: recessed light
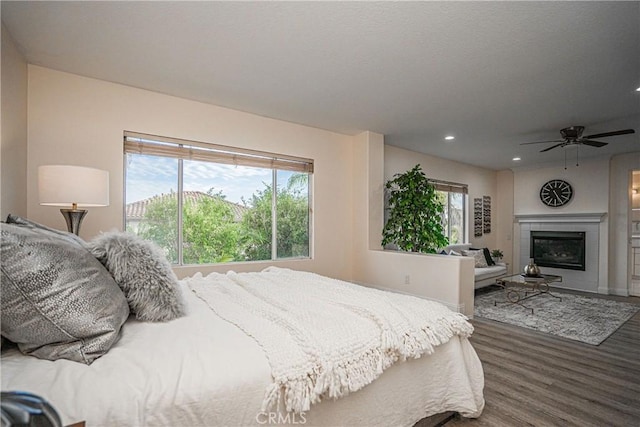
(449, 137)
(516, 159)
(638, 90)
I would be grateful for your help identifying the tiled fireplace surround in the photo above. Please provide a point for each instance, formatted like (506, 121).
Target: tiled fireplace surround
(589, 280)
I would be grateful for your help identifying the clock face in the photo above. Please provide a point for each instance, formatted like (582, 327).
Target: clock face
(556, 193)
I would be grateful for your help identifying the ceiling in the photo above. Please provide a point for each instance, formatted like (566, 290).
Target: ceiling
(493, 74)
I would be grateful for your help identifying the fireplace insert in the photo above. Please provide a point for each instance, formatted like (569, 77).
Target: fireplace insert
(559, 249)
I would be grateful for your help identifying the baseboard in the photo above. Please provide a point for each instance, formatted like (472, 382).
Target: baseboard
(634, 288)
(621, 292)
(558, 285)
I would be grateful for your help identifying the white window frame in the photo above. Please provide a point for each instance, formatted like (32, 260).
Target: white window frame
(145, 144)
(454, 187)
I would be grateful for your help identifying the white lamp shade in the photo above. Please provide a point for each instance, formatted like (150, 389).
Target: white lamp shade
(63, 185)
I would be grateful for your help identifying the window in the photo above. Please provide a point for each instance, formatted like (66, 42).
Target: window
(204, 203)
(454, 198)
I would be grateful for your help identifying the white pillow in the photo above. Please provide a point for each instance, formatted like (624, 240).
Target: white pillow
(478, 256)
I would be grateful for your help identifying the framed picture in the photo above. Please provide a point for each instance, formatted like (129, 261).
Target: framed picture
(486, 214)
(477, 217)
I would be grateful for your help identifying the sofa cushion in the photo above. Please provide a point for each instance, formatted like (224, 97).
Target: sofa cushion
(489, 272)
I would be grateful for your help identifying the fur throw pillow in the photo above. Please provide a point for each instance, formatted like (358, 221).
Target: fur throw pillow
(143, 273)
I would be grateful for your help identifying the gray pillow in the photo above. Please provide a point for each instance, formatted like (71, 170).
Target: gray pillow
(478, 256)
(143, 273)
(15, 219)
(58, 301)
(487, 255)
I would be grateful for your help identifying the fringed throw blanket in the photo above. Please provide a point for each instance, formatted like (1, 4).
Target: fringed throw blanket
(324, 337)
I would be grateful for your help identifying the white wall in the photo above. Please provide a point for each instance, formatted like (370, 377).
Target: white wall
(13, 178)
(481, 182)
(590, 182)
(78, 120)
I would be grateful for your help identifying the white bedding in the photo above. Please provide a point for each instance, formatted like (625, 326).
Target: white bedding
(325, 337)
(202, 370)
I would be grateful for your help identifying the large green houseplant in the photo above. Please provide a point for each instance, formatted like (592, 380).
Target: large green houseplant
(414, 221)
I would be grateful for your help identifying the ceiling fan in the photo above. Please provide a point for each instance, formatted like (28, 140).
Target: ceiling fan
(573, 136)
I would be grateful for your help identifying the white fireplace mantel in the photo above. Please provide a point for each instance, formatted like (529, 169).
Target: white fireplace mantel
(568, 217)
(594, 277)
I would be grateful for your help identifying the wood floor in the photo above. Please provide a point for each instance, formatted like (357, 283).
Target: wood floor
(536, 379)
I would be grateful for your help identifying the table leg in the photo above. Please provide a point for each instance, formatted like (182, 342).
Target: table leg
(543, 288)
(512, 296)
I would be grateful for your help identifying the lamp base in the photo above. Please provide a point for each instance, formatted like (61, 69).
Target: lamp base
(74, 218)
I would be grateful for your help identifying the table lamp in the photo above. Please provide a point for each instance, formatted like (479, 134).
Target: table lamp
(74, 186)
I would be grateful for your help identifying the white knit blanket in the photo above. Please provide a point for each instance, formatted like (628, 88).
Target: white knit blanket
(325, 337)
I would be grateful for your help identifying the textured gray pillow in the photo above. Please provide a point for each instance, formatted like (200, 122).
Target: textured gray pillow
(143, 273)
(58, 301)
(478, 256)
(24, 222)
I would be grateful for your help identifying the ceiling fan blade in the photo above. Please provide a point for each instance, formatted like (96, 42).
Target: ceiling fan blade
(542, 142)
(614, 133)
(593, 143)
(553, 146)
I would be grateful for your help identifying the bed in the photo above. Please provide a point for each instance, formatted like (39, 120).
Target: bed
(205, 370)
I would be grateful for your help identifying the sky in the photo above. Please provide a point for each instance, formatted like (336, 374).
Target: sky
(147, 176)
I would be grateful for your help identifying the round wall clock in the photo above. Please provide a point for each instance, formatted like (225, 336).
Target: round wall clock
(556, 193)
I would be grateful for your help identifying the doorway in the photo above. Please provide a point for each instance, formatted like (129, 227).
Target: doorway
(634, 247)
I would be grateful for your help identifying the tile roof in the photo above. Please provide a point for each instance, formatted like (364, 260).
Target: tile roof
(136, 210)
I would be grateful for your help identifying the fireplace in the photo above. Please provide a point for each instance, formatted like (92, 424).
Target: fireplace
(590, 278)
(559, 249)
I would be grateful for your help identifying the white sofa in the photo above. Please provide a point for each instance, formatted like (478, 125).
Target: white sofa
(483, 276)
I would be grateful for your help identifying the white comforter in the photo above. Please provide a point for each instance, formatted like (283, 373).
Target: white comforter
(202, 370)
(325, 337)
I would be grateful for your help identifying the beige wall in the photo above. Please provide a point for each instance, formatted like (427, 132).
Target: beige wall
(441, 278)
(80, 121)
(504, 216)
(481, 182)
(13, 179)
